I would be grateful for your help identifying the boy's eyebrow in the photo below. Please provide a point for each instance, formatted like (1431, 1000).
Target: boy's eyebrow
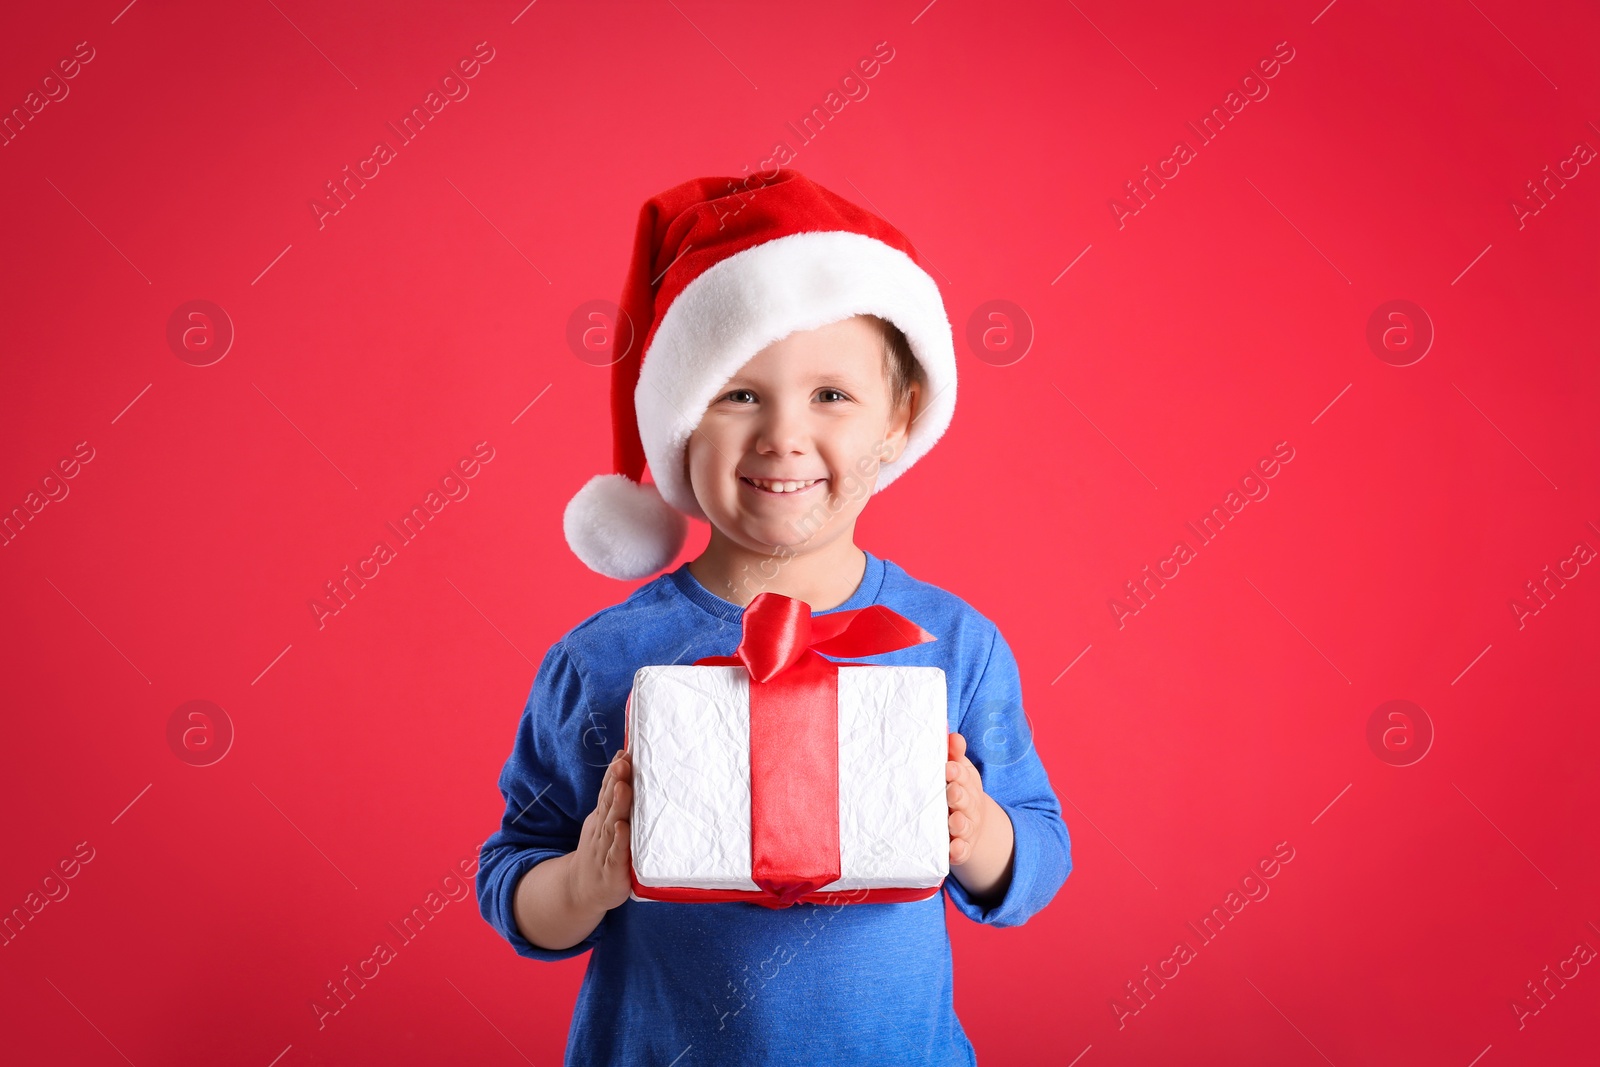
(830, 378)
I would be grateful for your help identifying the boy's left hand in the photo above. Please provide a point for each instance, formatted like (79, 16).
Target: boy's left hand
(965, 798)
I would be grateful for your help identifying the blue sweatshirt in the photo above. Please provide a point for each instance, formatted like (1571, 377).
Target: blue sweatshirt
(737, 983)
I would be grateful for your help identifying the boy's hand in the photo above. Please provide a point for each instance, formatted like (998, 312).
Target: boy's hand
(965, 797)
(982, 839)
(604, 854)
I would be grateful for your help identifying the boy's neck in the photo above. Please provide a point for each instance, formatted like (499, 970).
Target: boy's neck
(823, 578)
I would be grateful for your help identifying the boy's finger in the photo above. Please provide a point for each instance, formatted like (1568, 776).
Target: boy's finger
(956, 772)
(621, 841)
(619, 769)
(619, 775)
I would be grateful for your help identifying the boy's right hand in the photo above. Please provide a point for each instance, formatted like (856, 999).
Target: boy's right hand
(604, 855)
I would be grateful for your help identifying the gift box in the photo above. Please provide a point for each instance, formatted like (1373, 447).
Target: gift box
(776, 776)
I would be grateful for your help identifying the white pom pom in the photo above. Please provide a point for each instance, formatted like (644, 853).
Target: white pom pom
(623, 529)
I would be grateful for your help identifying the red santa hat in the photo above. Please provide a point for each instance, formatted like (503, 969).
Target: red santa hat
(723, 267)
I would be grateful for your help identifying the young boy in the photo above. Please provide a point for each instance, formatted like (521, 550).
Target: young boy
(795, 360)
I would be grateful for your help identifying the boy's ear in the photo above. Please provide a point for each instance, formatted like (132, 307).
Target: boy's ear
(900, 423)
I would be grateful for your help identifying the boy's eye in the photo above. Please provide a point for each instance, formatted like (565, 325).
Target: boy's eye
(735, 395)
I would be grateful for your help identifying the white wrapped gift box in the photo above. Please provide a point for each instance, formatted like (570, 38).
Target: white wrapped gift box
(689, 735)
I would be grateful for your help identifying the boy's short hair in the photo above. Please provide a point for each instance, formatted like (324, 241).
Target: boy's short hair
(900, 366)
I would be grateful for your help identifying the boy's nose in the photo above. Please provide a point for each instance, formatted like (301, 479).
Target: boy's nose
(782, 433)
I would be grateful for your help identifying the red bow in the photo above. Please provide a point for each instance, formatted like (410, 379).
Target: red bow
(794, 731)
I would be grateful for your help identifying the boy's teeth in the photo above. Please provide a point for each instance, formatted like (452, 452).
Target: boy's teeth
(782, 487)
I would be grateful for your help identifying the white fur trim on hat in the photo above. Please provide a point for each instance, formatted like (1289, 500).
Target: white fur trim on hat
(623, 529)
(741, 305)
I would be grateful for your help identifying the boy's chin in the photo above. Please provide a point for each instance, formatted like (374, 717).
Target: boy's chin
(770, 542)
(768, 538)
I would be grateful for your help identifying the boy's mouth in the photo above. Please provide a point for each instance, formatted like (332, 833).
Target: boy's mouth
(780, 487)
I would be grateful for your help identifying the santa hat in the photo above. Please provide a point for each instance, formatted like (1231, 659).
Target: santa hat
(723, 267)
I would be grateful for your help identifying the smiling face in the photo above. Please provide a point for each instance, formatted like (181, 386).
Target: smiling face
(788, 452)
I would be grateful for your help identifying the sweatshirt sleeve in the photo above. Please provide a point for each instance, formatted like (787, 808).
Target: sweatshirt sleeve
(549, 789)
(1000, 745)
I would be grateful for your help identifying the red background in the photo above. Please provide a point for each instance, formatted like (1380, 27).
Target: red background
(1227, 315)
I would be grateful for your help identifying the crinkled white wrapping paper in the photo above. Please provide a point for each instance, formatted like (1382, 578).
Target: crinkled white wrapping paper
(690, 737)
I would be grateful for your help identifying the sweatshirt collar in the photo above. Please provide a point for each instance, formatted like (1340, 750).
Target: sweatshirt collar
(866, 593)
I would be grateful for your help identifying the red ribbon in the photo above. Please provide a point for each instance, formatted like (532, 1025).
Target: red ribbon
(794, 732)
